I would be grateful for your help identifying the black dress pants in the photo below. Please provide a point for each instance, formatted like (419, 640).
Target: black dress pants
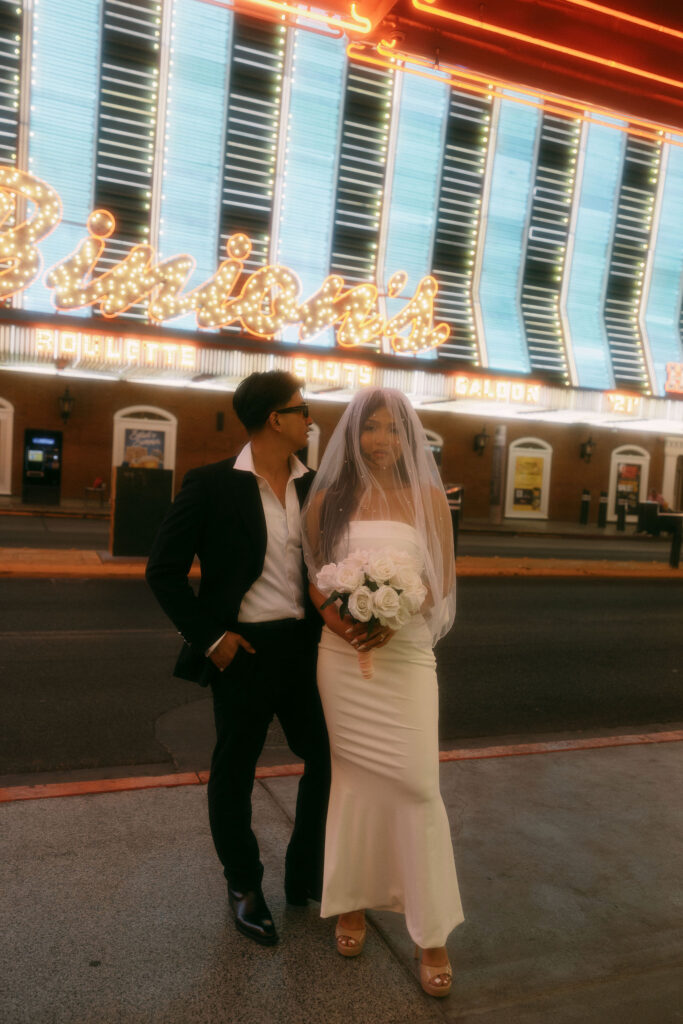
(279, 679)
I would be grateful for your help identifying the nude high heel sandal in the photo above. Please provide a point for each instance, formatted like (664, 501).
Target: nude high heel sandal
(355, 940)
(436, 981)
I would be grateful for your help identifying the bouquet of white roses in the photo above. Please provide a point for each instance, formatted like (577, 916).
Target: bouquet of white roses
(379, 588)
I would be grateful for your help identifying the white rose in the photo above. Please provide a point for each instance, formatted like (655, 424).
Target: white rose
(348, 577)
(386, 604)
(326, 579)
(359, 557)
(381, 566)
(404, 561)
(406, 578)
(361, 604)
(411, 600)
(402, 616)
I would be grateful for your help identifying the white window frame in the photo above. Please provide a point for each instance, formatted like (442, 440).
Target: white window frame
(145, 417)
(313, 446)
(435, 440)
(6, 437)
(627, 453)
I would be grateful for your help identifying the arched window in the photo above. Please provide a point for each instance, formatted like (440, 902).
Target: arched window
(6, 432)
(310, 455)
(144, 436)
(672, 480)
(528, 479)
(435, 446)
(628, 474)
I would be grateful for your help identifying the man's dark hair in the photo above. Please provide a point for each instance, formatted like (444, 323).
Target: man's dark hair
(259, 394)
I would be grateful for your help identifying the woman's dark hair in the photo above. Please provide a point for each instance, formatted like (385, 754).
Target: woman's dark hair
(259, 394)
(340, 500)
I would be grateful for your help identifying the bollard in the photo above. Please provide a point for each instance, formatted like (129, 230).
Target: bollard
(585, 506)
(642, 518)
(675, 554)
(621, 514)
(602, 509)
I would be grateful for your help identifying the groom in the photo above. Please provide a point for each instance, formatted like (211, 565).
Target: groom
(250, 634)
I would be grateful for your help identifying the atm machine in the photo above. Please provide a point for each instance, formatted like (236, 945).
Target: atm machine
(42, 470)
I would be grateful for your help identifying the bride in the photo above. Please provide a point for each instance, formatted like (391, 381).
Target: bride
(388, 843)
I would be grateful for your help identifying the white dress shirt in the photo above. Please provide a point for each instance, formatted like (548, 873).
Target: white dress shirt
(278, 593)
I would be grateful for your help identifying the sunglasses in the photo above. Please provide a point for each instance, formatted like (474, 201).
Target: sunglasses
(303, 409)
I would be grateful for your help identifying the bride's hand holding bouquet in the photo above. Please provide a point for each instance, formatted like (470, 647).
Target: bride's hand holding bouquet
(379, 591)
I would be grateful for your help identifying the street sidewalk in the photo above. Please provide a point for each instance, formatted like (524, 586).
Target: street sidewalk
(569, 869)
(568, 855)
(77, 563)
(70, 563)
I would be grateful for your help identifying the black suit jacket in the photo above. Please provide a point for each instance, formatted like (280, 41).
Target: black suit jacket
(218, 516)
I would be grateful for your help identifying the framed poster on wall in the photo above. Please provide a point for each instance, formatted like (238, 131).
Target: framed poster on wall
(528, 479)
(144, 448)
(528, 483)
(628, 486)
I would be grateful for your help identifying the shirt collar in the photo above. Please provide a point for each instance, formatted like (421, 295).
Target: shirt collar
(245, 462)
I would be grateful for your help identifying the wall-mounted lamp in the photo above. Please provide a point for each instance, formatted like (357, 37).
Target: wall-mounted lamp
(66, 404)
(587, 449)
(480, 441)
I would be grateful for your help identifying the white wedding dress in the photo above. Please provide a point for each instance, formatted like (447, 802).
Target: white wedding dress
(388, 842)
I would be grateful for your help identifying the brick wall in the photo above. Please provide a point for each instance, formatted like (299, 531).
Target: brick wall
(88, 438)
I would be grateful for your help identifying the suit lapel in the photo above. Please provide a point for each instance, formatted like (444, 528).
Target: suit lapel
(242, 494)
(303, 484)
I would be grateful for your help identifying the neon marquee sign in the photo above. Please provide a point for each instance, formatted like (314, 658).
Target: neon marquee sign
(113, 350)
(267, 300)
(624, 402)
(493, 389)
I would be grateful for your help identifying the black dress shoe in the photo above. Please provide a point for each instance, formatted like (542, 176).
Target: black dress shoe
(252, 916)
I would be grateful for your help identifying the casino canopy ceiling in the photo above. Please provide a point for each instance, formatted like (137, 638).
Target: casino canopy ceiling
(625, 55)
(278, 176)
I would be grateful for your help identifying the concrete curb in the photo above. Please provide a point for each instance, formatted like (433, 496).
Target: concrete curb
(91, 787)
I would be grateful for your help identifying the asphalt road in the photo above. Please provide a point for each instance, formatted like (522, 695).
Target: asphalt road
(31, 531)
(93, 534)
(86, 670)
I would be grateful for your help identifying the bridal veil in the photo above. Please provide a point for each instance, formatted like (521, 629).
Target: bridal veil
(378, 466)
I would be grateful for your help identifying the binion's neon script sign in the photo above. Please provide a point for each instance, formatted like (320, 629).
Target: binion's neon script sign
(267, 300)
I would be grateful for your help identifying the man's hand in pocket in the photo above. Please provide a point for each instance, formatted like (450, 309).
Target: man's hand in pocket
(227, 648)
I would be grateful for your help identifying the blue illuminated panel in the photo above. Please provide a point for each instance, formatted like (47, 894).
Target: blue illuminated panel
(603, 158)
(415, 185)
(310, 175)
(663, 304)
(65, 60)
(190, 207)
(505, 237)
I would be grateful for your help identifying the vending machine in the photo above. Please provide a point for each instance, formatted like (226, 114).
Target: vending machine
(42, 471)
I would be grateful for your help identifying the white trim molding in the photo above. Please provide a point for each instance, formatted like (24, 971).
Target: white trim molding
(6, 435)
(526, 496)
(633, 456)
(145, 418)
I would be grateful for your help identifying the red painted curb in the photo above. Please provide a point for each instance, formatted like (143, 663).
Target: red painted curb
(278, 771)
